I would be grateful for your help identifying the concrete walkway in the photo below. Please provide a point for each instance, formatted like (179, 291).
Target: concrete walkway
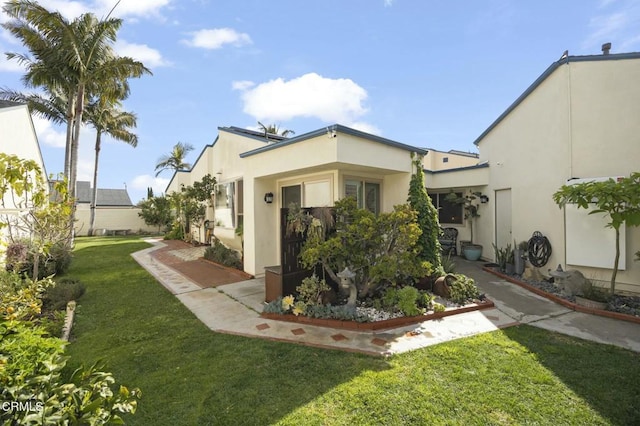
(235, 308)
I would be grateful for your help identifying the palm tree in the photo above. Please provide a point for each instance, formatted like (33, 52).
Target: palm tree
(273, 129)
(108, 118)
(70, 58)
(175, 159)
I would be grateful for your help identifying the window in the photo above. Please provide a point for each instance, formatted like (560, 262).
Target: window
(291, 194)
(367, 194)
(448, 212)
(445, 160)
(226, 204)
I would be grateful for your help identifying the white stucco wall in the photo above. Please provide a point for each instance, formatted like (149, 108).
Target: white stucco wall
(111, 218)
(439, 160)
(17, 137)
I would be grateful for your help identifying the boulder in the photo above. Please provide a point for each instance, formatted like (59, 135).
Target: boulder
(532, 274)
(571, 282)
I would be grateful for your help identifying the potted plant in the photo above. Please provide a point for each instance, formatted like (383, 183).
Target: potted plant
(502, 256)
(510, 264)
(469, 251)
(520, 256)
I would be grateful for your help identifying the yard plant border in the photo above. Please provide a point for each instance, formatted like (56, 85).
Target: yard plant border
(561, 301)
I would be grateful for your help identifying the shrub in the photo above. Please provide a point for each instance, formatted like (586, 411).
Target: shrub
(176, 232)
(20, 297)
(463, 289)
(223, 255)
(439, 307)
(31, 365)
(408, 300)
(380, 249)
(21, 256)
(311, 290)
(65, 290)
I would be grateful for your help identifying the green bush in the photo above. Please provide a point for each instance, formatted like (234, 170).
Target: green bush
(175, 233)
(20, 257)
(31, 365)
(20, 296)
(408, 300)
(65, 290)
(223, 255)
(463, 289)
(311, 290)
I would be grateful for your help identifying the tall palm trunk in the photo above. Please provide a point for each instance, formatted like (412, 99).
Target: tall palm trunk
(75, 141)
(94, 195)
(69, 137)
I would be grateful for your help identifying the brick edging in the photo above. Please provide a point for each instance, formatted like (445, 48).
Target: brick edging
(229, 268)
(563, 302)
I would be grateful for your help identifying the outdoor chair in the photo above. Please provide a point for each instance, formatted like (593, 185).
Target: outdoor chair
(449, 241)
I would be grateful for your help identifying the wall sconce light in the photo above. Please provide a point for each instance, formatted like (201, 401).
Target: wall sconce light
(484, 199)
(268, 197)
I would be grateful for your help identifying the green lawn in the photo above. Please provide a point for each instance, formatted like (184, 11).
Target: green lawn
(192, 376)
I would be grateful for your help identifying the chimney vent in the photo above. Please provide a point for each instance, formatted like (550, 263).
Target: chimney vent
(605, 48)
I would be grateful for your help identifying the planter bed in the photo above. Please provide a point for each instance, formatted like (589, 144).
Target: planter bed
(377, 325)
(564, 302)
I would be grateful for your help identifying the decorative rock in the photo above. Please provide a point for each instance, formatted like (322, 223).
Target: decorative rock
(532, 274)
(571, 282)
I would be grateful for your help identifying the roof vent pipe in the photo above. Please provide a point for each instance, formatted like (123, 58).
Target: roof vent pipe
(606, 48)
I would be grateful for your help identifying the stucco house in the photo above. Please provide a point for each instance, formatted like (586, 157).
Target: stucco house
(314, 170)
(577, 120)
(17, 137)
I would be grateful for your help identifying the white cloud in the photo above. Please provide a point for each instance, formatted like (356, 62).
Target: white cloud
(142, 182)
(388, 3)
(47, 134)
(141, 52)
(242, 85)
(311, 95)
(69, 9)
(127, 8)
(216, 38)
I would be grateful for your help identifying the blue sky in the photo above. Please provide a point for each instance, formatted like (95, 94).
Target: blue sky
(427, 73)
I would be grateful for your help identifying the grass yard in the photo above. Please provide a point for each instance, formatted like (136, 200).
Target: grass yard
(191, 376)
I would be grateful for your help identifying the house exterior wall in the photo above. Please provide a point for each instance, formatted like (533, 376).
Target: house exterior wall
(580, 122)
(439, 160)
(320, 158)
(17, 137)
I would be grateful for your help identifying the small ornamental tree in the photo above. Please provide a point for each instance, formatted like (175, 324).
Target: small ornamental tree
(381, 250)
(428, 244)
(618, 200)
(189, 203)
(156, 211)
(42, 219)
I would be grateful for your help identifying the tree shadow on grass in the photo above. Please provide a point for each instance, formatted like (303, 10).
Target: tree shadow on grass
(605, 376)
